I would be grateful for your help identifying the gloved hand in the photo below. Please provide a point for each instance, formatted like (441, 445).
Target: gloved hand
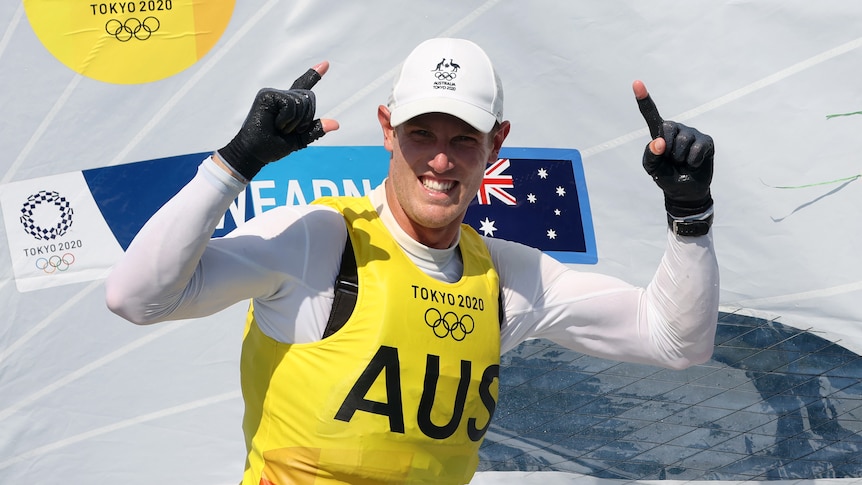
(679, 159)
(279, 123)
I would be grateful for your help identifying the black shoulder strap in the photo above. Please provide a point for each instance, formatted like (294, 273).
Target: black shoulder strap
(346, 289)
(501, 315)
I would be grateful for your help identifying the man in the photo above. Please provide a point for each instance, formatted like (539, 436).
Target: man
(404, 389)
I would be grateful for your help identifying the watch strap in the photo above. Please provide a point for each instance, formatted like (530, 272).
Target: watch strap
(690, 227)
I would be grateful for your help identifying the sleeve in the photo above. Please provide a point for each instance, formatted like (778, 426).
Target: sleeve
(670, 323)
(174, 269)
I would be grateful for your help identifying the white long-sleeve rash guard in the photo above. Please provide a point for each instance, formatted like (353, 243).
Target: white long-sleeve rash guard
(287, 259)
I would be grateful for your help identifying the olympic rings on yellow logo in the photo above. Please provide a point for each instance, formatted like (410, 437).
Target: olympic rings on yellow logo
(132, 27)
(449, 323)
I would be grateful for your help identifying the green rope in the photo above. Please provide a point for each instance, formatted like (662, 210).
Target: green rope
(828, 182)
(843, 114)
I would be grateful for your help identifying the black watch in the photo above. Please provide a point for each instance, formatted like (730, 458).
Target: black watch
(698, 227)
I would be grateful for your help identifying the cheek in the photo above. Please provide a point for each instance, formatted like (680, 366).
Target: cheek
(471, 183)
(403, 152)
(415, 153)
(475, 180)
(478, 163)
(399, 165)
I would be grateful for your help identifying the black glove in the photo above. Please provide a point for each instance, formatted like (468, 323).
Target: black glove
(279, 123)
(684, 170)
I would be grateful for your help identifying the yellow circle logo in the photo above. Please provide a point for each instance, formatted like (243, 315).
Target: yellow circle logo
(129, 42)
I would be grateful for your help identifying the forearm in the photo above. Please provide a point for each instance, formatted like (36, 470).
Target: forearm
(680, 305)
(670, 323)
(159, 266)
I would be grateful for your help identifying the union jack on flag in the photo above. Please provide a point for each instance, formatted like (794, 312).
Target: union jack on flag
(494, 184)
(537, 201)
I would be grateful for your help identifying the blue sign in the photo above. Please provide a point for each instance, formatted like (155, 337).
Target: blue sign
(536, 196)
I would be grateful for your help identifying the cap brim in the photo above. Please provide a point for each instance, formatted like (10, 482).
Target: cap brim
(474, 116)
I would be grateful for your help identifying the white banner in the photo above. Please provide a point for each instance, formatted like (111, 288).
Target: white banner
(56, 232)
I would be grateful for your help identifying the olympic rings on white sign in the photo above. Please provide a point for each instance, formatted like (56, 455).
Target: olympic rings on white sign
(55, 263)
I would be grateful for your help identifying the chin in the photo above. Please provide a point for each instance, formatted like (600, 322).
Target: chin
(441, 219)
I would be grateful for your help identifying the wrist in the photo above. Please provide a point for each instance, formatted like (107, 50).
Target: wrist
(691, 225)
(221, 176)
(246, 166)
(681, 209)
(219, 162)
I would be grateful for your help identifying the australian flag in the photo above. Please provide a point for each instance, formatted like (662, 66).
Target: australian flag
(536, 202)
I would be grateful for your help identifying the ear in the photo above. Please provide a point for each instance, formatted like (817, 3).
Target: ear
(499, 137)
(384, 117)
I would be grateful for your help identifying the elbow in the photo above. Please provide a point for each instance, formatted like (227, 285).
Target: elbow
(687, 342)
(689, 358)
(122, 304)
(702, 358)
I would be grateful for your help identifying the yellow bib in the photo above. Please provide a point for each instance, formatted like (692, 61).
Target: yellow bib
(402, 393)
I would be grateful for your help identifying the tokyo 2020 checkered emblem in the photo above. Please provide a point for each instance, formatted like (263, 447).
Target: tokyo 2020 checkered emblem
(46, 215)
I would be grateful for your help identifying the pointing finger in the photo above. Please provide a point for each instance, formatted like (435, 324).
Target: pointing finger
(310, 78)
(329, 125)
(648, 109)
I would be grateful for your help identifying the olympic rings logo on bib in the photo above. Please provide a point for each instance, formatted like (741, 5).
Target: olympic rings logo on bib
(449, 324)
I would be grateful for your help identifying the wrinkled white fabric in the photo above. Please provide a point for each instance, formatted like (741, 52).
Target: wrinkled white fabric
(287, 259)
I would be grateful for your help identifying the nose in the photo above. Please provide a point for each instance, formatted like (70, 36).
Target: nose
(441, 162)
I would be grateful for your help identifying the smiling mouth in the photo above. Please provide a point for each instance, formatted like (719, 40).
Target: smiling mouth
(438, 185)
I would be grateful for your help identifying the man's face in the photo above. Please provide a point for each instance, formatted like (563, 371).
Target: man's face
(437, 165)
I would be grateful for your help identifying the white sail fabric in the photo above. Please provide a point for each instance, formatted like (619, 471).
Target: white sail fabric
(86, 397)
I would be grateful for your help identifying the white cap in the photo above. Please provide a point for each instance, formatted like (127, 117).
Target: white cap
(452, 76)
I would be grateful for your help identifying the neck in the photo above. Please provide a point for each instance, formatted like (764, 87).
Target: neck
(441, 264)
(442, 238)
(435, 238)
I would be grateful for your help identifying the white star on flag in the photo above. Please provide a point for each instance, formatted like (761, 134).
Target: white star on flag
(488, 227)
(493, 184)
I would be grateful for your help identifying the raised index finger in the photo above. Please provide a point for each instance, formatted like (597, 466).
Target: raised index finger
(648, 109)
(311, 76)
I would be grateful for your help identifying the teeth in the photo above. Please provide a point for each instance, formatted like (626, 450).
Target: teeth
(437, 185)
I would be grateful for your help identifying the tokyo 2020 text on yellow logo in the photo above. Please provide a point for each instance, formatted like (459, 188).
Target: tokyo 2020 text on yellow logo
(129, 42)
